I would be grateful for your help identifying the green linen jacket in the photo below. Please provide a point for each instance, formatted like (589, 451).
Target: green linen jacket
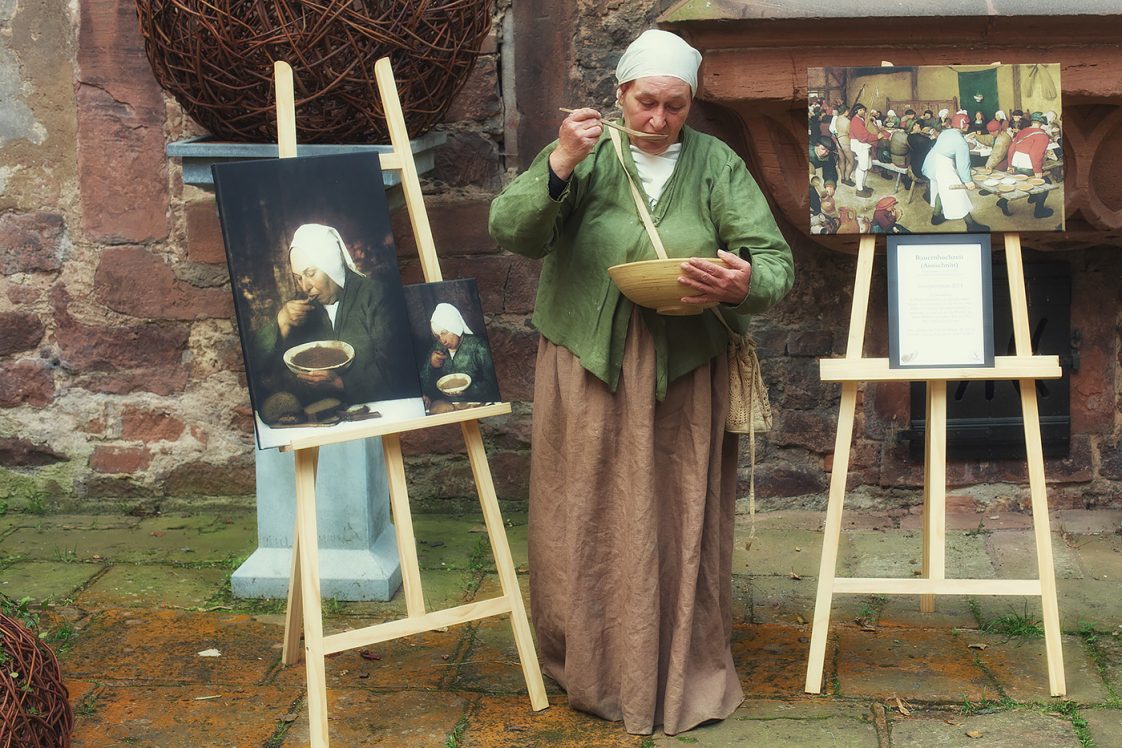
(710, 202)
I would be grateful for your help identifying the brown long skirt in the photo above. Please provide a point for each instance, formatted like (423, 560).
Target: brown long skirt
(632, 504)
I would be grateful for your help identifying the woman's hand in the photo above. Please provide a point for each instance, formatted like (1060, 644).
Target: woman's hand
(437, 359)
(321, 379)
(728, 285)
(577, 136)
(292, 314)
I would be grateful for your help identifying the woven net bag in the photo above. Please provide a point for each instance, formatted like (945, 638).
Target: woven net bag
(216, 59)
(749, 408)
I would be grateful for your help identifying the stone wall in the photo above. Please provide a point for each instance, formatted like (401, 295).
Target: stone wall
(121, 380)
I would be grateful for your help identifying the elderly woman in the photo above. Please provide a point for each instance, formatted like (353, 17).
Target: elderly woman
(457, 351)
(336, 302)
(633, 478)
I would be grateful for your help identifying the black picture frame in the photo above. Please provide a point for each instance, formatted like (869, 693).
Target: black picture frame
(940, 301)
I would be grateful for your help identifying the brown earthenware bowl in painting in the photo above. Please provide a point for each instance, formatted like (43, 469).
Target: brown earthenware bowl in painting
(319, 355)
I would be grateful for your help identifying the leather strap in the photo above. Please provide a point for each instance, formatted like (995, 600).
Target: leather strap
(640, 203)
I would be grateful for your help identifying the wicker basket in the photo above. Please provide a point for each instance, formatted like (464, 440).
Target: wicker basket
(34, 703)
(216, 59)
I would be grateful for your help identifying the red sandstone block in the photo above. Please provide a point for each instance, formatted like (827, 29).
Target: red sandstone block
(161, 295)
(479, 99)
(109, 459)
(146, 425)
(19, 332)
(27, 382)
(31, 242)
(458, 228)
(469, 159)
(122, 168)
(204, 233)
(514, 350)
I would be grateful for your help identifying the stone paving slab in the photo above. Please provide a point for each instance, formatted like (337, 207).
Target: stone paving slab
(1015, 556)
(779, 552)
(788, 601)
(160, 647)
(1088, 521)
(1083, 601)
(771, 660)
(915, 664)
(900, 554)
(448, 542)
(509, 722)
(972, 520)
(165, 539)
(368, 718)
(1105, 726)
(1100, 556)
(951, 612)
(491, 664)
(142, 586)
(45, 580)
(180, 716)
(424, 661)
(1109, 649)
(784, 723)
(1020, 667)
(793, 519)
(1010, 729)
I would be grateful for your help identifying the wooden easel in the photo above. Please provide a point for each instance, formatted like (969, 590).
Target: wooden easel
(304, 613)
(1023, 367)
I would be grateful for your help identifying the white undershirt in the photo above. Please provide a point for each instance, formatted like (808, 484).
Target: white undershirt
(655, 171)
(332, 310)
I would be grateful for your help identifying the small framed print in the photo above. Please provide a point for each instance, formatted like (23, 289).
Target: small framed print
(940, 301)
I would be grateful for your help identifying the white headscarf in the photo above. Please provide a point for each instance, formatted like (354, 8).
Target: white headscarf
(657, 53)
(447, 318)
(315, 245)
(999, 115)
(943, 113)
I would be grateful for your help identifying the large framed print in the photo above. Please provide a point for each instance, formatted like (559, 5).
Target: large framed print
(319, 300)
(940, 301)
(950, 149)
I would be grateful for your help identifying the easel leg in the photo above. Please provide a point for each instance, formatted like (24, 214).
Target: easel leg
(934, 490)
(508, 577)
(308, 545)
(1057, 685)
(827, 568)
(403, 526)
(294, 611)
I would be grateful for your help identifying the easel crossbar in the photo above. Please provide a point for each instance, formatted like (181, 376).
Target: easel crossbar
(407, 626)
(877, 370)
(904, 586)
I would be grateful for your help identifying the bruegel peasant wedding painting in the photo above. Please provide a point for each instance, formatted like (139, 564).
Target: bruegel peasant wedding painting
(939, 148)
(320, 305)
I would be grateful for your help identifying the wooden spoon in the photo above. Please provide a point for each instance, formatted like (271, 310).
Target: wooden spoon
(621, 128)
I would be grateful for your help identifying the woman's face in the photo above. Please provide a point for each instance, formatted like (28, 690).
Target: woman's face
(318, 286)
(449, 340)
(658, 104)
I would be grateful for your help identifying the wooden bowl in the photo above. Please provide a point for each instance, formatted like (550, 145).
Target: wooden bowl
(654, 284)
(319, 355)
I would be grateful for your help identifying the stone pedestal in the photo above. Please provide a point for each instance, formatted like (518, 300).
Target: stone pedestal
(358, 557)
